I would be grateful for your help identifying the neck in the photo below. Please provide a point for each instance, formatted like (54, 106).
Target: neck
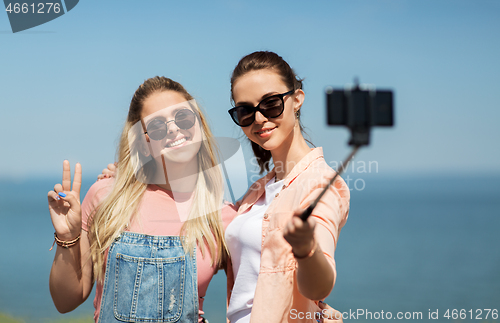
(177, 177)
(289, 153)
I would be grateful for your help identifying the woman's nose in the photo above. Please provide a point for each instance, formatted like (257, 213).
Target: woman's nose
(172, 127)
(259, 117)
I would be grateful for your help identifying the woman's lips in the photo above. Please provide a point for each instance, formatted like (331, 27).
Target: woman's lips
(177, 143)
(264, 133)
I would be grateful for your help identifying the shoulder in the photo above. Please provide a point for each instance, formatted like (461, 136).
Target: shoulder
(228, 213)
(98, 191)
(312, 181)
(339, 186)
(323, 172)
(314, 173)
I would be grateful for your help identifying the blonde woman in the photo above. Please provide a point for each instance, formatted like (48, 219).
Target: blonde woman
(151, 237)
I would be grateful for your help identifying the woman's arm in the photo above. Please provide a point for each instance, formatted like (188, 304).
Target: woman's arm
(315, 274)
(70, 278)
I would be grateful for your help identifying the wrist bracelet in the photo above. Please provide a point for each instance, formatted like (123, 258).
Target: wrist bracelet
(64, 244)
(310, 254)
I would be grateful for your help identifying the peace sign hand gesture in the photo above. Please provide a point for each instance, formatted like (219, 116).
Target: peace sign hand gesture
(64, 204)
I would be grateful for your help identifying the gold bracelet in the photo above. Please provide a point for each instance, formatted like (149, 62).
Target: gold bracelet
(310, 254)
(64, 244)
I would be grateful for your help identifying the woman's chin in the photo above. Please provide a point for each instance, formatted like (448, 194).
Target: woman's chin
(181, 155)
(267, 144)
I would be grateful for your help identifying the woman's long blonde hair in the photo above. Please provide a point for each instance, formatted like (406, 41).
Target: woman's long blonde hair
(116, 211)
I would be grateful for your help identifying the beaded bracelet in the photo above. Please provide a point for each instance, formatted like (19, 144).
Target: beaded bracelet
(64, 244)
(310, 254)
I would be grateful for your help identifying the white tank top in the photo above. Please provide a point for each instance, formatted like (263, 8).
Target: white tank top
(244, 239)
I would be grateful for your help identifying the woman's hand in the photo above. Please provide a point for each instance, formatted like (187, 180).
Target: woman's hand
(300, 234)
(108, 172)
(64, 204)
(329, 314)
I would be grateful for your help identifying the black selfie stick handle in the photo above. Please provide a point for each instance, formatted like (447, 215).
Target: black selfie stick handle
(341, 169)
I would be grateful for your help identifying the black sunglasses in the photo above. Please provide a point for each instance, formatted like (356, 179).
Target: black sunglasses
(158, 127)
(270, 107)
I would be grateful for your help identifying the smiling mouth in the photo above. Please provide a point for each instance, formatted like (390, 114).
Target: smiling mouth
(264, 131)
(177, 142)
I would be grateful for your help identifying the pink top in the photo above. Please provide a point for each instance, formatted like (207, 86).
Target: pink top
(157, 215)
(277, 298)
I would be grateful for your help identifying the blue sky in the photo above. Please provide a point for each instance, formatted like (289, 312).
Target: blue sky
(65, 86)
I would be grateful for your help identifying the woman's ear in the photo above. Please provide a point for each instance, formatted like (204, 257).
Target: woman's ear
(145, 152)
(145, 146)
(298, 100)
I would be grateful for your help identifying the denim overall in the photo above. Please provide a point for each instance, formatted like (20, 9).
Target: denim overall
(149, 279)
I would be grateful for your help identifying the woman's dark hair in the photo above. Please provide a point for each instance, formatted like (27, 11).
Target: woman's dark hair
(272, 61)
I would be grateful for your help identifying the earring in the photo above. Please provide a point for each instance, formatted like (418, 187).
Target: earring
(145, 152)
(297, 114)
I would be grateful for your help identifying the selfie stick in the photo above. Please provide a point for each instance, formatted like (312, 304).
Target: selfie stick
(341, 169)
(359, 110)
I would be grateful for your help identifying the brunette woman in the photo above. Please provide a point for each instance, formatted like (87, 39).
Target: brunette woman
(280, 266)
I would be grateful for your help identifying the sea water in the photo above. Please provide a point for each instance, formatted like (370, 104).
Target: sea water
(426, 244)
